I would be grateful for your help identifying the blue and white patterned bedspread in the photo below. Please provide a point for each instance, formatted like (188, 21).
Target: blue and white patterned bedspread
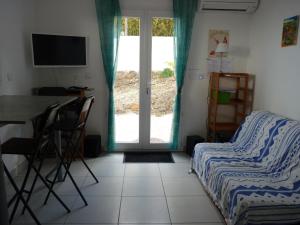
(254, 179)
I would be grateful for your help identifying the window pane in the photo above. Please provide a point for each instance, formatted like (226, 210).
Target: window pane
(127, 84)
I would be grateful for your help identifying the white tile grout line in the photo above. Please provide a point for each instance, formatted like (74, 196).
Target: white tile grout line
(162, 183)
(122, 193)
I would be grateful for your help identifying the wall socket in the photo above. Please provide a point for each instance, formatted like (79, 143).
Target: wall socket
(195, 74)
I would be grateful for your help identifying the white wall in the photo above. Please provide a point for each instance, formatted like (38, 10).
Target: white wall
(16, 74)
(78, 17)
(276, 68)
(194, 102)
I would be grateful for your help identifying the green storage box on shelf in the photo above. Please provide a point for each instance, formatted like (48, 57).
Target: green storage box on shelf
(223, 96)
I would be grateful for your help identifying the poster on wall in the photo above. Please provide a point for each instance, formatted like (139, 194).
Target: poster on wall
(214, 38)
(290, 31)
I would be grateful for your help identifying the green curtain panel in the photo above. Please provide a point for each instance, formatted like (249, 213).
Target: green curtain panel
(184, 14)
(109, 23)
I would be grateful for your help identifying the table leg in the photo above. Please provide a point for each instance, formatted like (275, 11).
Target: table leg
(3, 202)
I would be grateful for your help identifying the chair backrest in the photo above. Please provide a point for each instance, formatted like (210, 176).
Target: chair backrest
(44, 129)
(86, 108)
(78, 112)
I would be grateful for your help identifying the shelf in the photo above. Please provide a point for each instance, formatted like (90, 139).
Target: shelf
(231, 102)
(240, 99)
(243, 89)
(224, 126)
(231, 75)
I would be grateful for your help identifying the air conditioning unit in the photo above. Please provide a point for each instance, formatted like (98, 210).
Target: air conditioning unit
(246, 6)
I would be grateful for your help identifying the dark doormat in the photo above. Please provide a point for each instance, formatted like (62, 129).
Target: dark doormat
(148, 157)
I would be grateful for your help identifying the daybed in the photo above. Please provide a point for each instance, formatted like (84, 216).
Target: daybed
(255, 178)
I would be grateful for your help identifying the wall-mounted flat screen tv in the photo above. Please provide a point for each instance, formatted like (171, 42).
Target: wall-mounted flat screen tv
(58, 50)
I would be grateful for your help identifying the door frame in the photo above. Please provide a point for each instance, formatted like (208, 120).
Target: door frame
(145, 82)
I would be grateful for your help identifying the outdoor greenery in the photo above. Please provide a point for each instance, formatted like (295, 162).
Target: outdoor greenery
(160, 26)
(167, 72)
(130, 26)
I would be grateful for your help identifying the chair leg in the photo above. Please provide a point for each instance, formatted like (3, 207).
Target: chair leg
(72, 157)
(88, 168)
(38, 175)
(74, 183)
(22, 189)
(52, 183)
(20, 196)
(71, 177)
(31, 188)
(12, 200)
(76, 150)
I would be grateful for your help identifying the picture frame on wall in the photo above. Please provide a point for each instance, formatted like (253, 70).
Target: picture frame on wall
(290, 31)
(214, 38)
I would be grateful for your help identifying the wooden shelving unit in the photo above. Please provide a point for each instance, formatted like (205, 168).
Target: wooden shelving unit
(225, 117)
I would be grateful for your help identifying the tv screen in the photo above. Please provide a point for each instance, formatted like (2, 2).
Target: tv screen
(58, 50)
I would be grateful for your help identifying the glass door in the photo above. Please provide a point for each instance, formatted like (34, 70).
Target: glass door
(163, 83)
(145, 84)
(127, 84)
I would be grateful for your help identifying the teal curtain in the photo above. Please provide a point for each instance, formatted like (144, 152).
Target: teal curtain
(110, 24)
(184, 13)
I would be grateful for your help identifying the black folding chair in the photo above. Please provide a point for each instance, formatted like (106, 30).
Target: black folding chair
(32, 149)
(73, 131)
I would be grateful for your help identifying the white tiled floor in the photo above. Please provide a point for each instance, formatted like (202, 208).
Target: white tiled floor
(128, 194)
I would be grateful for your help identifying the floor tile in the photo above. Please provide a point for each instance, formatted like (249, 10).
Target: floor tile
(99, 210)
(175, 170)
(143, 189)
(67, 187)
(90, 161)
(61, 188)
(110, 158)
(107, 186)
(193, 209)
(143, 186)
(142, 170)
(52, 212)
(182, 186)
(144, 210)
(108, 169)
(9, 188)
(78, 169)
(48, 165)
(181, 157)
